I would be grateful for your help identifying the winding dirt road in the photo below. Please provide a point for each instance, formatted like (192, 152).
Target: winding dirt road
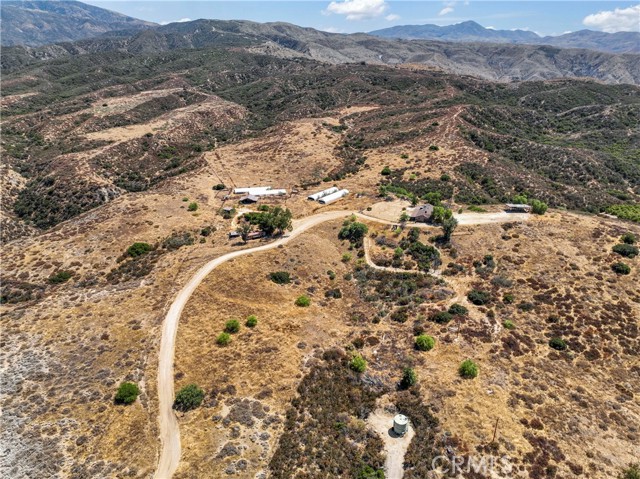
(169, 429)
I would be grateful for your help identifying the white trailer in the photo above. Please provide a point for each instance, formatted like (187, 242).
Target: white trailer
(322, 194)
(270, 192)
(333, 197)
(253, 190)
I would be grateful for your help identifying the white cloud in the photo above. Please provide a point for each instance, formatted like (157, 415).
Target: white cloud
(490, 28)
(392, 17)
(446, 10)
(182, 20)
(358, 9)
(618, 20)
(332, 30)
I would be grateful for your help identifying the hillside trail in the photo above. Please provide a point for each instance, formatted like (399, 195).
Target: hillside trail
(168, 422)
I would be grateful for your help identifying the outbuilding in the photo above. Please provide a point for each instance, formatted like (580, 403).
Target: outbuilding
(245, 200)
(322, 194)
(333, 197)
(421, 214)
(400, 424)
(517, 208)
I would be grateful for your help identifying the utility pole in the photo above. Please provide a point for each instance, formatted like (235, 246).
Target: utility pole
(495, 431)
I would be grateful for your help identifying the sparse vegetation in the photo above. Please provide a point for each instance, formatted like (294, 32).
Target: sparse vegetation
(468, 369)
(280, 277)
(626, 250)
(425, 342)
(60, 277)
(137, 249)
(457, 309)
(358, 363)
(232, 326)
(303, 301)
(252, 321)
(621, 268)
(508, 324)
(223, 339)
(478, 297)
(127, 393)
(632, 471)
(193, 206)
(409, 378)
(188, 398)
(625, 212)
(558, 344)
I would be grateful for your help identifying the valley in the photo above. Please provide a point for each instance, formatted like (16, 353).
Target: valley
(119, 266)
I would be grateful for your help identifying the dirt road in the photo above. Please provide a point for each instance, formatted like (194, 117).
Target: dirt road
(395, 446)
(169, 430)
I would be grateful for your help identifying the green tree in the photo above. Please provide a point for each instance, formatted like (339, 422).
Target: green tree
(520, 199)
(457, 309)
(468, 369)
(621, 268)
(60, 277)
(138, 249)
(358, 363)
(425, 343)
(538, 207)
(448, 227)
(409, 378)
(628, 238)
(632, 471)
(404, 217)
(280, 277)
(440, 213)
(243, 229)
(353, 231)
(626, 250)
(193, 206)
(127, 393)
(189, 397)
(558, 344)
(386, 171)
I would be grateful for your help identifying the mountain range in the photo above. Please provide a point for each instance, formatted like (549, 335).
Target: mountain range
(35, 23)
(470, 31)
(497, 62)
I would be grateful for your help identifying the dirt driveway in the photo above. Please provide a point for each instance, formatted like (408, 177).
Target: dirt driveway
(395, 446)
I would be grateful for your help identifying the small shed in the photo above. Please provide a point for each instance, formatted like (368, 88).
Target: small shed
(422, 214)
(245, 200)
(400, 424)
(517, 208)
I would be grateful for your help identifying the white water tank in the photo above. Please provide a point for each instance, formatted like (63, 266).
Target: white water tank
(400, 424)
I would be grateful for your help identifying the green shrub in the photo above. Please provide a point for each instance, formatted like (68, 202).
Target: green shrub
(223, 339)
(409, 378)
(441, 317)
(629, 238)
(386, 171)
(358, 363)
(625, 212)
(368, 472)
(219, 186)
(508, 298)
(252, 321)
(425, 343)
(60, 277)
(232, 326)
(280, 277)
(632, 471)
(185, 199)
(476, 209)
(138, 249)
(127, 393)
(353, 231)
(335, 293)
(346, 257)
(626, 250)
(478, 297)
(434, 148)
(193, 206)
(445, 177)
(303, 301)
(538, 207)
(558, 343)
(468, 369)
(508, 324)
(621, 268)
(457, 309)
(189, 397)
(526, 307)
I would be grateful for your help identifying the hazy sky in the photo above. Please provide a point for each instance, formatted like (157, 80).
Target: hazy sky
(543, 17)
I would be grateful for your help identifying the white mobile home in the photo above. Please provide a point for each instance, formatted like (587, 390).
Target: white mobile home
(271, 192)
(322, 194)
(253, 190)
(333, 197)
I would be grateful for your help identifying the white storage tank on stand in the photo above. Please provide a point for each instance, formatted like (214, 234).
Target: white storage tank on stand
(400, 424)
